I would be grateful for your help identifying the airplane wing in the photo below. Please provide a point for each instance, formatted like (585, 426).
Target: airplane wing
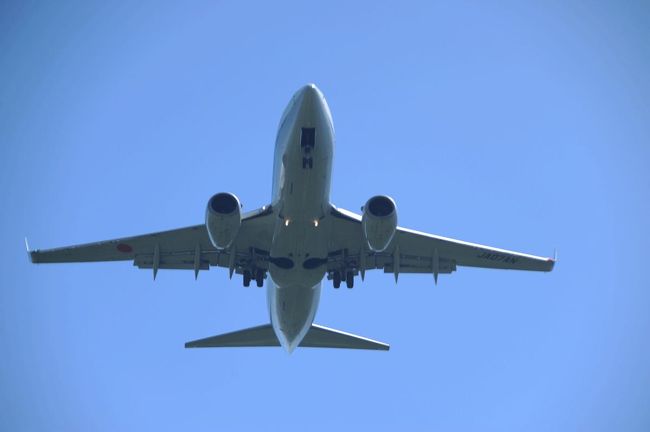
(187, 248)
(417, 252)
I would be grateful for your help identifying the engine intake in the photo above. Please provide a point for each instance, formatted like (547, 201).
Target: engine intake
(379, 222)
(223, 219)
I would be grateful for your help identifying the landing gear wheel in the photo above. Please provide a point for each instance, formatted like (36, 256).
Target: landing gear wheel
(349, 279)
(336, 279)
(247, 278)
(259, 278)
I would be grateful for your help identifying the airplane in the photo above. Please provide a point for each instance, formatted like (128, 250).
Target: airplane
(297, 240)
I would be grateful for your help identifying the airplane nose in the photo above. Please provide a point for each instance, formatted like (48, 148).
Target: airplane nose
(310, 91)
(310, 95)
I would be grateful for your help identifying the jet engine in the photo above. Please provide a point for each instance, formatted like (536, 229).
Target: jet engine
(379, 222)
(223, 219)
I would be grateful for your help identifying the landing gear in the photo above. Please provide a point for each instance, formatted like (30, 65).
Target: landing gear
(259, 278)
(257, 274)
(349, 279)
(336, 279)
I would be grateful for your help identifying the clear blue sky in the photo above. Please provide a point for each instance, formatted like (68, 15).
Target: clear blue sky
(520, 126)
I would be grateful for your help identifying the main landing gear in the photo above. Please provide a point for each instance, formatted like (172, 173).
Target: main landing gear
(338, 276)
(349, 280)
(258, 274)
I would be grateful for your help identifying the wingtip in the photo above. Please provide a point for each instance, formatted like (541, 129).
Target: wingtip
(553, 260)
(30, 255)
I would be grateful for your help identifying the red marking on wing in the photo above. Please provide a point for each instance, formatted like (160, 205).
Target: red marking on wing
(123, 247)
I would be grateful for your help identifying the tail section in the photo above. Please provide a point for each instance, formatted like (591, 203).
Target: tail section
(263, 336)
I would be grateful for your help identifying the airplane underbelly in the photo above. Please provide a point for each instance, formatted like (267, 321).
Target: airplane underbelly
(292, 309)
(297, 265)
(298, 255)
(299, 247)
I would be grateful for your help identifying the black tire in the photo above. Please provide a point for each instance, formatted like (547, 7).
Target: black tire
(349, 279)
(259, 278)
(336, 279)
(247, 278)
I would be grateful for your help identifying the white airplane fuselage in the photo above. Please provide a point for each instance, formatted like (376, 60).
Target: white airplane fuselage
(301, 199)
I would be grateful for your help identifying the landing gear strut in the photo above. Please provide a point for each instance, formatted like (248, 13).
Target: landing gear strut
(336, 279)
(259, 278)
(257, 274)
(349, 279)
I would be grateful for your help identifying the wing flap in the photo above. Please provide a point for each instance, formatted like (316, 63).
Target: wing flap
(470, 254)
(177, 241)
(187, 248)
(419, 252)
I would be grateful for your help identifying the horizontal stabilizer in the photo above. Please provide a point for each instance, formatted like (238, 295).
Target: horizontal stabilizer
(323, 337)
(263, 336)
(259, 336)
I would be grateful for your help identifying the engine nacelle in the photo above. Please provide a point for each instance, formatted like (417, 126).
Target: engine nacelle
(223, 219)
(379, 222)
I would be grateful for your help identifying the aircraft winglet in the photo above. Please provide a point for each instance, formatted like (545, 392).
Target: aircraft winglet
(29, 252)
(552, 261)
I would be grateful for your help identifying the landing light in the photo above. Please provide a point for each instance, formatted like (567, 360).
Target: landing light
(286, 222)
(315, 222)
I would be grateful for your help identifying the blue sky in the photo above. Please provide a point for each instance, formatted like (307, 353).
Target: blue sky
(523, 126)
